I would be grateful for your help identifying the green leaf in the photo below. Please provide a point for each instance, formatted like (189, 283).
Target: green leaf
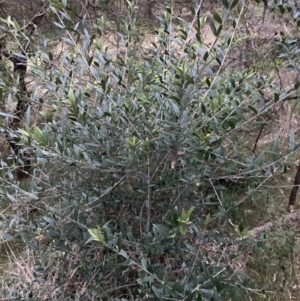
(144, 263)
(225, 3)
(218, 33)
(61, 246)
(233, 4)
(39, 136)
(71, 97)
(123, 253)
(202, 137)
(217, 17)
(276, 150)
(68, 41)
(7, 236)
(213, 27)
(16, 25)
(28, 115)
(183, 229)
(96, 234)
(241, 227)
(23, 132)
(78, 152)
(8, 115)
(61, 27)
(49, 220)
(11, 197)
(33, 246)
(207, 220)
(291, 68)
(64, 3)
(120, 242)
(281, 9)
(252, 109)
(185, 215)
(189, 212)
(131, 142)
(157, 292)
(208, 82)
(292, 140)
(161, 229)
(192, 9)
(231, 123)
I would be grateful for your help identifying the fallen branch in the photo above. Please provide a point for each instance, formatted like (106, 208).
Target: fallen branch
(289, 217)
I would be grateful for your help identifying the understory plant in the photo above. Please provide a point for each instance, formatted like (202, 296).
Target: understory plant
(131, 155)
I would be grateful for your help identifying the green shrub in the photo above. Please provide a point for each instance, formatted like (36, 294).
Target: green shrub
(130, 166)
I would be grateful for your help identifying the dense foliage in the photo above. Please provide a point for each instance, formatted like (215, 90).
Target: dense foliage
(132, 153)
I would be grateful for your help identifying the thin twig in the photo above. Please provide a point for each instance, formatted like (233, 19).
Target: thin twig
(259, 134)
(149, 200)
(104, 194)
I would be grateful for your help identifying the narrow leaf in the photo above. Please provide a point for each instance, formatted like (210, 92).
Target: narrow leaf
(292, 140)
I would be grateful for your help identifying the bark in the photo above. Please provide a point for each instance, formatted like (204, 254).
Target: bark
(295, 188)
(20, 68)
(289, 217)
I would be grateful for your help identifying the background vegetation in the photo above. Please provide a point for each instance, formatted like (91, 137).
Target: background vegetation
(142, 145)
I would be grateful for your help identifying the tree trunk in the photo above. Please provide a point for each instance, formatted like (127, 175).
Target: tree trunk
(293, 195)
(20, 68)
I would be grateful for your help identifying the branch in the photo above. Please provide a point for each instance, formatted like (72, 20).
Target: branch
(259, 134)
(289, 217)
